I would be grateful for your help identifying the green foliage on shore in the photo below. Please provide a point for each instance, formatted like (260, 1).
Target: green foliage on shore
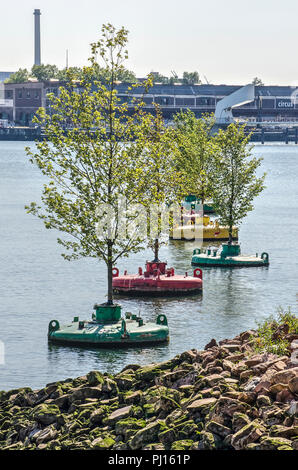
(274, 335)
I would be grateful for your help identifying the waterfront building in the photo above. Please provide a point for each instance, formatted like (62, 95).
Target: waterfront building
(271, 103)
(25, 99)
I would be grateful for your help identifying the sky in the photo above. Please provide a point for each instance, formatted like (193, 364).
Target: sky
(228, 42)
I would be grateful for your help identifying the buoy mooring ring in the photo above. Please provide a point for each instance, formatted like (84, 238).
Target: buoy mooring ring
(54, 325)
(115, 272)
(198, 273)
(162, 320)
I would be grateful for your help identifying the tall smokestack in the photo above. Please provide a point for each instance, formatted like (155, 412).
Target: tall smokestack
(37, 59)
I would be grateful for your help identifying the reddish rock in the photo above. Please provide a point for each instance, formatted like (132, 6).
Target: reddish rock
(247, 397)
(213, 379)
(228, 406)
(235, 357)
(232, 347)
(227, 365)
(246, 335)
(202, 406)
(276, 388)
(211, 344)
(253, 361)
(246, 374)
(262, 387)
(285, 396)
(293, 385)
(284, 376)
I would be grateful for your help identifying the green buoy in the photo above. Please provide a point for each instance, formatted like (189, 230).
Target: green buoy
(191, 202)
(229, 256)
(108, 328)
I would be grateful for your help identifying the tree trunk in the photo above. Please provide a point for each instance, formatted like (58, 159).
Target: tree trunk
(110, 275)
(156, 251)
(230, 234)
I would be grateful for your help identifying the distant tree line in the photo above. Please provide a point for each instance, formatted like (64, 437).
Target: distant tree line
(47, 72)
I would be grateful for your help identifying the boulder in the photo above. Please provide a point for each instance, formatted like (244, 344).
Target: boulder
(284, 376)
(145, 436)
(284, 431)
(239, 421)
(293, 385)
(103, 443)
(182, 445)
(217, 428)
(276, 388)
(201, 406)
(211, 344)
(97, 416)
(95, 378)
(293, 409)
(228, 406)
(250, 433)
(213, 379)
(46, 414)
(45, 435)
(133, 398)
(285, 396)
(117, 415)
(273, 443)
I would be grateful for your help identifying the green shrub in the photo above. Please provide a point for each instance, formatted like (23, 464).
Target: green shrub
(272, 333)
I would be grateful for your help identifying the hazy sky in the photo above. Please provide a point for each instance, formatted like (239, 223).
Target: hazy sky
(229, 41)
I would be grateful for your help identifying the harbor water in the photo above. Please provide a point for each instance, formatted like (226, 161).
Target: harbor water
(37, 285)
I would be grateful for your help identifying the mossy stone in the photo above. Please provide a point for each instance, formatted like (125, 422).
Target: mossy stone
(182, 445)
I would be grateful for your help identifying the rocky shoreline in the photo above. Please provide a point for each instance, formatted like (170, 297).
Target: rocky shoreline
(227, 396)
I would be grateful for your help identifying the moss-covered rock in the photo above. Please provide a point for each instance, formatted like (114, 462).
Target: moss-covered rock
(147, 435)
(46, 414)
(194, 401)
(182, 445)
(126, 426)
(95, 378)
(147, 374)
(103, 443)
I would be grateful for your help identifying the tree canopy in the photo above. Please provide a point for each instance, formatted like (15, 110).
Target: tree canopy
(21, 76)
(234, 180)
(257, 82)
(49, 71)
(96, 161)
(195, 152)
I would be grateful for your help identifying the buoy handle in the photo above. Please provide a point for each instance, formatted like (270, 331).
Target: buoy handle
(115, 272)
(198, 273)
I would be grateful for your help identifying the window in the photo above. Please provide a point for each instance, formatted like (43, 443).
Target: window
(205, 101)
(185, 102)
(267, 103)
(164, 100)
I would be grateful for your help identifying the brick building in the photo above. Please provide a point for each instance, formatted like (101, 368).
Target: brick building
(22, 100)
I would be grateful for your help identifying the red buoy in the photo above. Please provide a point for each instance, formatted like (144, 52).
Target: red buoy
(157, 279)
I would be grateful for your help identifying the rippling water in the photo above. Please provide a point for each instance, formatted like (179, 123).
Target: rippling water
(37, 285)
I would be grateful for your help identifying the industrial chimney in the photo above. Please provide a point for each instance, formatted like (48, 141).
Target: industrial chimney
(37, 58)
